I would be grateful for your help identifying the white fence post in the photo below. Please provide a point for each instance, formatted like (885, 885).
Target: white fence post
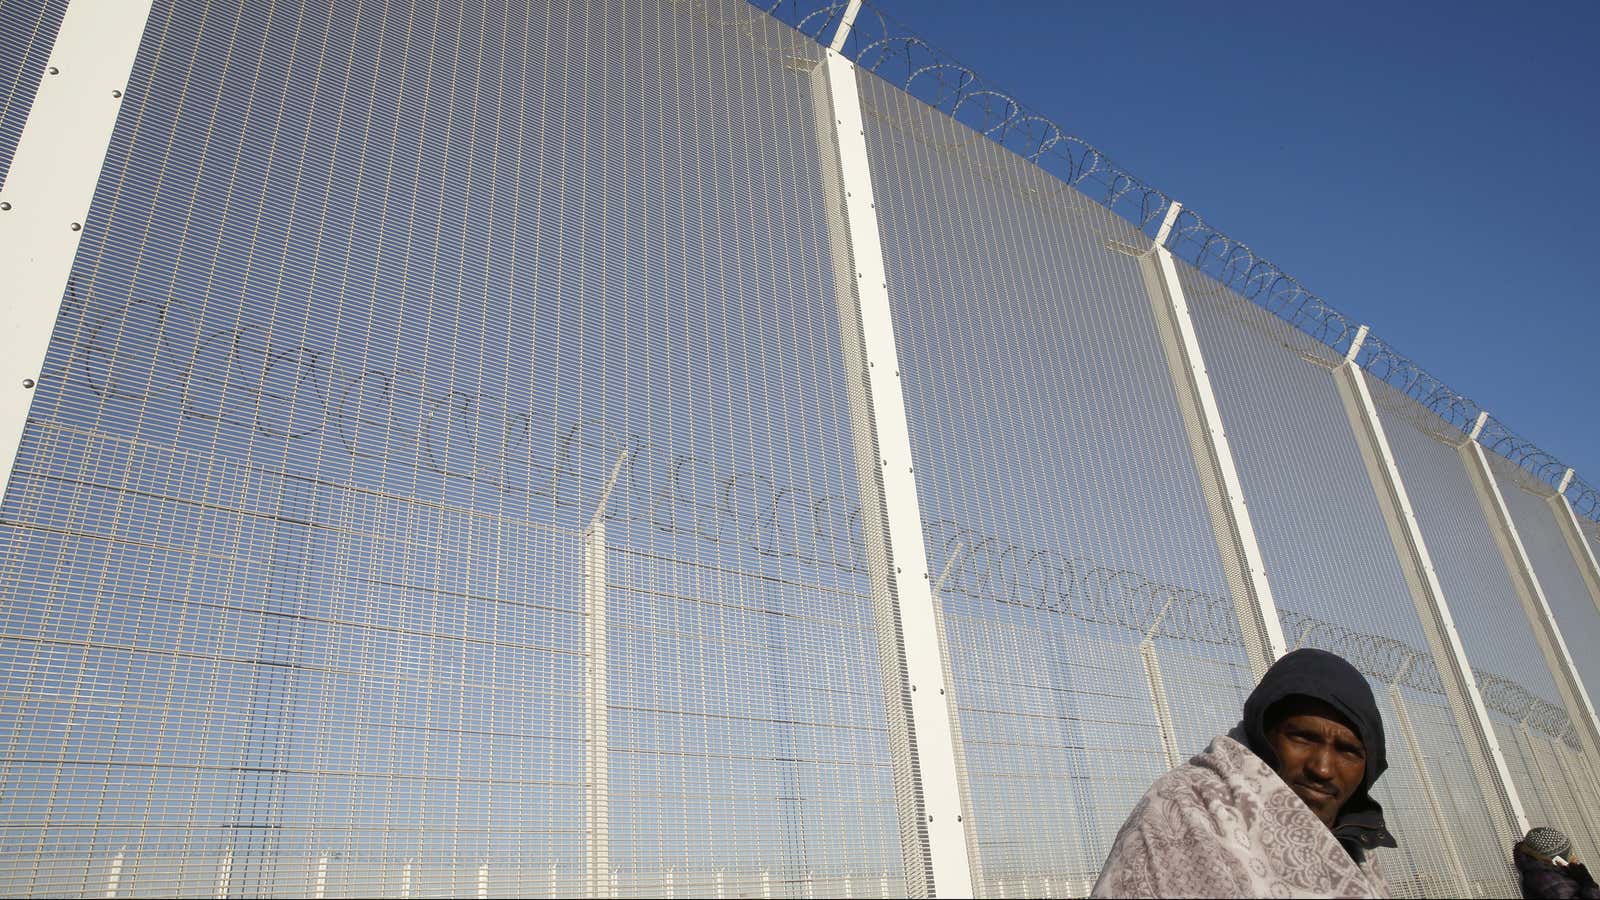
(224, 874)
(1535, 605)
(935, 851)
(1433, 611)
(1582, 554)
(597, 697)
(114, 875)
(48, 189)
(1158, 689)
(1242, 565)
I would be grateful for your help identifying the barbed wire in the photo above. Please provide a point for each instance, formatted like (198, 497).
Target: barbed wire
(661, 488)
(1521, 705)
(886, 48)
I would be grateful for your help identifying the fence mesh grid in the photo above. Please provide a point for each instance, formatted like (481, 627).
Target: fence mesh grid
(29, 29)
(1554, 564)
(1335, 576)
(383, 310)
(1517, 685)
(446, 480)
(1056, 488)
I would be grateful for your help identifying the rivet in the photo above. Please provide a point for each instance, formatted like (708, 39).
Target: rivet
(53, 70)
(27, 382)
(6, 204)
(76, 226)
(116, 93)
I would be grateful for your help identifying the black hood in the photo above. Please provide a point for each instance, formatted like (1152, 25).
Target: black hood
(1326, 677)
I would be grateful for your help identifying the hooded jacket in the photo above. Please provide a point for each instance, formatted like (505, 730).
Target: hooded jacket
(1323, 676)
(1225, 824)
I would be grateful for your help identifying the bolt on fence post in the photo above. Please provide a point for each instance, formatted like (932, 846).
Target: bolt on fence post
(1208, 442)
(1535, 604)
(1433, 610)
(936, 853)
(49, 186)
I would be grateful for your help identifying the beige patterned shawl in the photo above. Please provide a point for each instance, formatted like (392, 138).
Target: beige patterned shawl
(1225, 825)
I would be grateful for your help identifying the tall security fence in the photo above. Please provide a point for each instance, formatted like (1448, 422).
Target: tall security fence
(687, 448)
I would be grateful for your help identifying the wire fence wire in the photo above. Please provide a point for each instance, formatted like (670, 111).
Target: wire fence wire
(449, 469)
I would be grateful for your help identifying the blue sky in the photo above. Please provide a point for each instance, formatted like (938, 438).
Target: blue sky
(1427, 167)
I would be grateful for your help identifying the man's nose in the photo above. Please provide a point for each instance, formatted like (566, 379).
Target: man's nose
(1320, 763)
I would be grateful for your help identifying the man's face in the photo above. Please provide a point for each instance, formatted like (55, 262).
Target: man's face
(1320, 756)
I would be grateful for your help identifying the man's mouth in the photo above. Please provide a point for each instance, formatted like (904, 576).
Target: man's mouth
(1312, 791)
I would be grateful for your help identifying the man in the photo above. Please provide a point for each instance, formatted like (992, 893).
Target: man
(1279, 806)
(1544, 857)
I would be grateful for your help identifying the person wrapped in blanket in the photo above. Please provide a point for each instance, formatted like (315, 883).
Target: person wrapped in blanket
(1279, 806)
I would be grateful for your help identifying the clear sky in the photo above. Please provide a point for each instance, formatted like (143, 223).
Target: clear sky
(1427, 167)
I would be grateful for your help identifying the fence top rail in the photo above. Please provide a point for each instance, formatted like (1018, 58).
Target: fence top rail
(887, 48)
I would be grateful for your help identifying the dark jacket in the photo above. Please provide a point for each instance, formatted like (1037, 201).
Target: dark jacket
(1546, 879)
(1316, 673)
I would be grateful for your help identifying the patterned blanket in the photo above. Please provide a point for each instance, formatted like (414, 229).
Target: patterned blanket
(1225, 825)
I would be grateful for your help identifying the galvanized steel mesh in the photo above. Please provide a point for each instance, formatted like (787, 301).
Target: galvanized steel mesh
(453, 474)
(29, 30)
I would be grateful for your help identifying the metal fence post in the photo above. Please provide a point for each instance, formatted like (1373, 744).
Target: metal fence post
(1433, 611)
(47, 192)
(597, 699)
(1158, 689)
(1581, 552)
(935, 851)
(1535, 605)
(1208, 442)
(1441, 823)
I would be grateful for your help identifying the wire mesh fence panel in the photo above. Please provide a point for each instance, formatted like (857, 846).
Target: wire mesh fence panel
(29, 27)
(1494, 628)
(1513, 677)
(1537, 802)
(410, 347)
(1554, 564)
(1458, 803)
(1334, 572)
(775, 789)
(1566, 792)
(1590, 529)
(1066, 529)
(1585, 792)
